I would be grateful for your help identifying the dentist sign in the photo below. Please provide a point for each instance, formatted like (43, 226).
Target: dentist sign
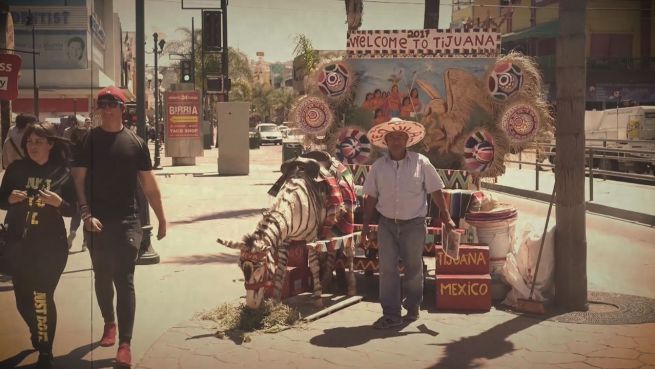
(9, 68)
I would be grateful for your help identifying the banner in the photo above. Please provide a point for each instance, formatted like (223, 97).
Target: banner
(9, 68)
(422, 43)
(57, 49)
(183, 114)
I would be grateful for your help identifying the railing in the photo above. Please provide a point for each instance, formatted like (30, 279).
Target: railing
(597, 153)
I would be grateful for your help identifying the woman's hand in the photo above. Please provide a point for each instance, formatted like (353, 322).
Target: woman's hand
(17, 196)
(50, 198)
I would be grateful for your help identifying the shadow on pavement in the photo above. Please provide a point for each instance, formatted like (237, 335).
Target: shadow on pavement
(75, 359)
(490, 344)
(203, 259)
(11, 362)
(356, 336)
(243, 213)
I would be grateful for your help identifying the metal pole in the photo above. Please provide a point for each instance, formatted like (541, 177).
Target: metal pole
(536, 171)
(35, 85)
(140, 70)
(147, 254)
(224, 57)
(591, 174)
(156, 93)
(193, 53)
(202, 69)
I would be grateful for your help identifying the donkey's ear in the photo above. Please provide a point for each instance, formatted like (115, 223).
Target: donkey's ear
(232, 244)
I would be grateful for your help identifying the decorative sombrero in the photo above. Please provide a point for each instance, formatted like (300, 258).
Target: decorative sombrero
(313, 115)
(353, 146)
(334, 80)
(479, 151)
(505, 80)
(520, 122)
(414, 130)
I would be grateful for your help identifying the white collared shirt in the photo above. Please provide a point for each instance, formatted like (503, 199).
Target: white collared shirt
(402, 186)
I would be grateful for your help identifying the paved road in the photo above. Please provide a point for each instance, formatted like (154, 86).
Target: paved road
(196, 274)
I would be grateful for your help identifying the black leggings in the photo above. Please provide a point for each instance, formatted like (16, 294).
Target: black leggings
(113, 255)
(36, 273)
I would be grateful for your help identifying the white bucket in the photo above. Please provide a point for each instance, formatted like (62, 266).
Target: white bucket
(499, 235)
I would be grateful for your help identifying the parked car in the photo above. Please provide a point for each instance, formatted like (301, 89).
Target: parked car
(269, 133)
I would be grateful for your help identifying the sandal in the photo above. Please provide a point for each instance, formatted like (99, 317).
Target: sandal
(386, 322)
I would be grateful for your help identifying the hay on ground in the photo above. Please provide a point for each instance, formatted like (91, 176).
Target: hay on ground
(271, 317)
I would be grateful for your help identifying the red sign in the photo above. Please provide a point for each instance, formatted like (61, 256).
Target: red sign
(9, 68)
(183, 113)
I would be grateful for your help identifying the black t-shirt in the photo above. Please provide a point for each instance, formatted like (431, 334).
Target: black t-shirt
(44, 224)
(113, 161)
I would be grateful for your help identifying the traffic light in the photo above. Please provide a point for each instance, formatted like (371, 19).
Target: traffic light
(211, 30)
(186, 71)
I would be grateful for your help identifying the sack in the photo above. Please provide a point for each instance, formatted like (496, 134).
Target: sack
(4, 250)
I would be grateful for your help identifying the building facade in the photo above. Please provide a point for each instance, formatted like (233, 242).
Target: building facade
(81, 50)
(620, 42)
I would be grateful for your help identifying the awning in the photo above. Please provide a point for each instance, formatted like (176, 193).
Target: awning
(544, 30)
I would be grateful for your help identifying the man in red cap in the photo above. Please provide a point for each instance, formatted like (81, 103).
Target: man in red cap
(108, 164)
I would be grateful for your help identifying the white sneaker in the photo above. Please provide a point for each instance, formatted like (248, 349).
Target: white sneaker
(71, 237)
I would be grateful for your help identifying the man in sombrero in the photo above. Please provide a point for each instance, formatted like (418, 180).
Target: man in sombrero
(397, 186)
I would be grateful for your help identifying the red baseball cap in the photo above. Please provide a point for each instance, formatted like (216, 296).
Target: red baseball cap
(112, 92)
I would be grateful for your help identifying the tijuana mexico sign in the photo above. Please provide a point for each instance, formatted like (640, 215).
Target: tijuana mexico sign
(422, 43)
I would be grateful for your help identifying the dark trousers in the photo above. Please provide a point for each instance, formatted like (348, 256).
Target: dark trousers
(36, 273)
(114, 251)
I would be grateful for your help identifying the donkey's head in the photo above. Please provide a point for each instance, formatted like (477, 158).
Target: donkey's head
(257, 265)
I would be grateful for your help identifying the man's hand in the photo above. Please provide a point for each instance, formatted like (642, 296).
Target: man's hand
(448, 224)
(17, 196)
(92, 224)
(161, 231)
(50, 198)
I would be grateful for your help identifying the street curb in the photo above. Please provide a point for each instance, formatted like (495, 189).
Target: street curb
(592, 207)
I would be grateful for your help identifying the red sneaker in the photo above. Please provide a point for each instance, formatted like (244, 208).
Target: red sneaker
(109, 335)
(124, 355)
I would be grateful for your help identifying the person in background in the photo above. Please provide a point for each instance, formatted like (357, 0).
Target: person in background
(109, 165)
(76, 135)
(12, 147)
(397, 186)
(38, 191)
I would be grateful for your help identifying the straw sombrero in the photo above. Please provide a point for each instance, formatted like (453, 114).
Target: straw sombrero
(414, 130)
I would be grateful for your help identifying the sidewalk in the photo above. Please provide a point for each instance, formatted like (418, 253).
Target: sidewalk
(195, 274)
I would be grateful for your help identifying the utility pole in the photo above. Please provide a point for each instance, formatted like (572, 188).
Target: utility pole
(570, 236)
(140, 69)
(224, 56)
(193, 53)
(35, 86)
(147, 254)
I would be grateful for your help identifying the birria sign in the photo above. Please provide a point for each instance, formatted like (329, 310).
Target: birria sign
(183, 113)
(422, 43)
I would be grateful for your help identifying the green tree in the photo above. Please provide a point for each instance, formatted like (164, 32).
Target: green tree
(283, 100)
(262, 101)
(238, 64)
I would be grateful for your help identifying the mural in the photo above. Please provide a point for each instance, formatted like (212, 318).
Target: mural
(474, 109)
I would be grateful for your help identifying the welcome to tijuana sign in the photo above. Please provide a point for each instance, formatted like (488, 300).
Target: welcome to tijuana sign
(422, 43)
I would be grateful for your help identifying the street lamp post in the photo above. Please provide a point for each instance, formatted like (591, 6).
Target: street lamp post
(156, 51)
(35, 86)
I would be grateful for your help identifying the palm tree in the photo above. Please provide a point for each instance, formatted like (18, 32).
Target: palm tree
(283, 100)
(262, 101)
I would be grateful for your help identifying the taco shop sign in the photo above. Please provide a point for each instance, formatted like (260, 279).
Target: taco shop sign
(183, 113)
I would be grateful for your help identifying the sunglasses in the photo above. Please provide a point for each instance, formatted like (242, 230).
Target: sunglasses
(108, 104)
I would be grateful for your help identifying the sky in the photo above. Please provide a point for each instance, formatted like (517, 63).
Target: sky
(270, 26)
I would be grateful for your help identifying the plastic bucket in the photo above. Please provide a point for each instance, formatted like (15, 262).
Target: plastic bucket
(499, 235)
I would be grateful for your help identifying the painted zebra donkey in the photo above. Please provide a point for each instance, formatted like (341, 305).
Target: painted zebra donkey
(309, 205)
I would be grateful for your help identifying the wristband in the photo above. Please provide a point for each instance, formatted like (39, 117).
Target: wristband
(86, 217)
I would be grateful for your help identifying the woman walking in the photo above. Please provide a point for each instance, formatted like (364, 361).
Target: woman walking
(38, 191)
